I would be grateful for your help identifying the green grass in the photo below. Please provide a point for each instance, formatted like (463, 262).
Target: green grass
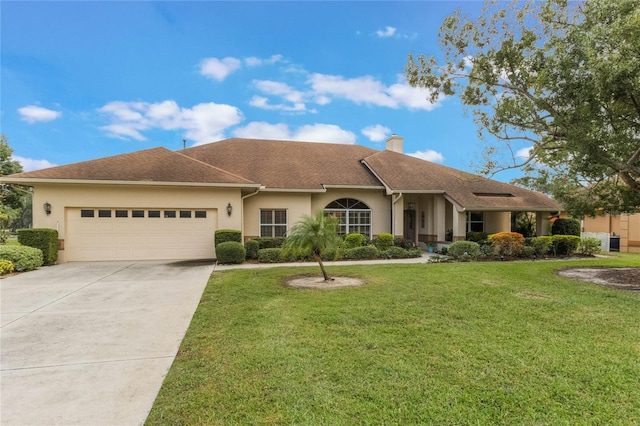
(457, 343)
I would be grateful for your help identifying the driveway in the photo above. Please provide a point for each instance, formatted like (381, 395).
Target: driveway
(90, 343)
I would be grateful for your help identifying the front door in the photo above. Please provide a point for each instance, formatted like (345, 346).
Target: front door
(410, 225)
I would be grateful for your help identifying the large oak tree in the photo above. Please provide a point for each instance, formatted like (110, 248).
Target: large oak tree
(561, 78)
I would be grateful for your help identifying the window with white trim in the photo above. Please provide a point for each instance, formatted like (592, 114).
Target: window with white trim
(475, 221)
(273, 222)
(354, 216)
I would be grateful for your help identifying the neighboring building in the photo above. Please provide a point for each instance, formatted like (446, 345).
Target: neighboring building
(161, 204)
(618, 232)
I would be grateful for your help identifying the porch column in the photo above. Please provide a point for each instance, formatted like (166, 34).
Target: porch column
(439, 217)
(542, 223)
(459, 225)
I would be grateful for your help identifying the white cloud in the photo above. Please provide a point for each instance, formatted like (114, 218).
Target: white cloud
(29, 164)
(34, 114)
(219, 69)
(376, 133)
(429, 155)
(369, 91)
(310, 133)
(253, 61)
(387, 32)
(524, 152)
(202, 123)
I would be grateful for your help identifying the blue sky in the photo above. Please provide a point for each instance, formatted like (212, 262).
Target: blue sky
(83, 80)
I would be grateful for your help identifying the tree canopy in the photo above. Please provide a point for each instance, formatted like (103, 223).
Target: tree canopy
(554, 88)
(10, 196)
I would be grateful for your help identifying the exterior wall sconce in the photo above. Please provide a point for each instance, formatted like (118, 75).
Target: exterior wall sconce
(47, 208)
(229, 209)
(411, 206)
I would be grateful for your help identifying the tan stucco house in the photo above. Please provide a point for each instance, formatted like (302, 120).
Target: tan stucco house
(623, 229)
(162, 204)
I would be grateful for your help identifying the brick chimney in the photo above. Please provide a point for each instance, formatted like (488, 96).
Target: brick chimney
(394, 143)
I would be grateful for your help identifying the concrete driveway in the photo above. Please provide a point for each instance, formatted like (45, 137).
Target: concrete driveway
(90, 343)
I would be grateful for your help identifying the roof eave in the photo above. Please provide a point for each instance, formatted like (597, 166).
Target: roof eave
(31, 181)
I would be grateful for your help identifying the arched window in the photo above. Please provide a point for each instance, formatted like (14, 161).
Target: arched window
(354, 216)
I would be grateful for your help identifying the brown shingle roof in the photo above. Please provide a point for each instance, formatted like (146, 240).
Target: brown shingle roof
(150, 165)
(301, 166)
(404, 173)
(289, 165)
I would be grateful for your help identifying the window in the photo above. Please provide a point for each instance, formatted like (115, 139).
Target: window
(475, 222)
(169, 213)
(353, 215)
(104, 213)
(200, 214)
(122, 213)
(154, 213)
(185, 214)
(273, 223)
(137, 213)
(87, 213)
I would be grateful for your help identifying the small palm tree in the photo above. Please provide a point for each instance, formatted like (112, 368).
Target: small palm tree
(315, 234)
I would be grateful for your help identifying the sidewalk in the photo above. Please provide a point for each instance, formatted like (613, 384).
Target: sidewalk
(425, 258)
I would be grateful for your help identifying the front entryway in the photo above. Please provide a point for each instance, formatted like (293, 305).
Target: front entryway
(409, 232)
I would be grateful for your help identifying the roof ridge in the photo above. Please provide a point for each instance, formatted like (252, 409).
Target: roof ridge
(213, 167)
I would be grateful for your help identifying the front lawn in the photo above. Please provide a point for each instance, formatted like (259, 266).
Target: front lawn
(454, 343)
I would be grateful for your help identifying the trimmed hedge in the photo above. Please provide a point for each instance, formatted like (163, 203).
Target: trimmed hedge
(507, 243)
(383, 241)
(44, 239)
(565, 227)
(225, 235)
(270, 242)
(230, 252)
(252, 247)
(464, 250)
(353, 240)
(564, 245)
(396, 252)
(364, 252)
(24, 258)
(477, 236)
(541, 245)
(269, 255)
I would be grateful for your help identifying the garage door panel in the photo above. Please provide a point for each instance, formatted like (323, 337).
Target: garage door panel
(139, 238)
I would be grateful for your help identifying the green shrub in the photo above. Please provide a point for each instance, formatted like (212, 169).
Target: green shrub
(507, 243)
(225, 235)
(541, 245)
(330, 254)
(403, 243)
(564, 245)
(396, 252)
(565, 227)
(464, 250)
(230, 252)
(353, 240)
(270, 242)
(24, 258)
(44, 239)
(487, 249)
(252, 247)
(364, 252)
(477, 236)
(6, 267)
(383, 241)
(269, 255)
(589, 246)
(528, 252)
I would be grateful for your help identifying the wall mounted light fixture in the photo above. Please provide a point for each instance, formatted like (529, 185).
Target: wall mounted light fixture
(229, 209)
(411, 206)
(47, 208)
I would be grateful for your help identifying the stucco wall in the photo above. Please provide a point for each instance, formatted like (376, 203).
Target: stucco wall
(296, 204)
(497, 222)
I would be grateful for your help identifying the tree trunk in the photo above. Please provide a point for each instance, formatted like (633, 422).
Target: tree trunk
(324, 272)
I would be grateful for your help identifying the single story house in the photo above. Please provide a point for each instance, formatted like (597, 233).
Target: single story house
(162, 204)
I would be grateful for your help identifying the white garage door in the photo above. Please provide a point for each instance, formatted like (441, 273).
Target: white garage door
(139, 234)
